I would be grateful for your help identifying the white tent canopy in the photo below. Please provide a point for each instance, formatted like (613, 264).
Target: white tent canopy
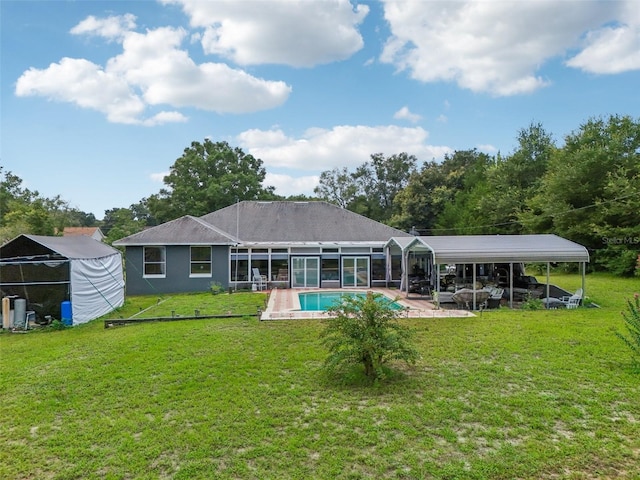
(96, 280)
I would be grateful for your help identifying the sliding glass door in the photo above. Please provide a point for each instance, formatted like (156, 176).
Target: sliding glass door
(355, 272)
(305, 272)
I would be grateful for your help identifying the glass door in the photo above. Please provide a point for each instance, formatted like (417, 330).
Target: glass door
(355, 271)
(305, 272)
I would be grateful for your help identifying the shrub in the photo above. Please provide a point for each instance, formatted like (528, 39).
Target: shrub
(366, 331)
(215, 288)
(632, 324)
(532, 304)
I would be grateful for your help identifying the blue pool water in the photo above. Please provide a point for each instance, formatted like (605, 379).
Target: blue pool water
(320, 301)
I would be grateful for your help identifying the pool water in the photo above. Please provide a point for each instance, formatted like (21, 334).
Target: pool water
(321, 301)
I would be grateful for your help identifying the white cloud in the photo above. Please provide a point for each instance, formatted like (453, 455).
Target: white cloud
(287, 185)
(405, 114)
(85, 84)
(494, 47)
(152, 70)
(442, 118)
(114, 27)
(158, 177)
(299, 34)
(487, 148)
(342, 146)
(610, 50)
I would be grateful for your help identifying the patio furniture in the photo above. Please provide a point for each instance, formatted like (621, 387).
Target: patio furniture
(464, 297)
(259, 280)
(495, 296)
(574, 300)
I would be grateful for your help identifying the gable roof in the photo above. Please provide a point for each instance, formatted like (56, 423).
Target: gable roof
(293, 222)
(94, 232)
(73, 248)
(498, 248)
(185, 230)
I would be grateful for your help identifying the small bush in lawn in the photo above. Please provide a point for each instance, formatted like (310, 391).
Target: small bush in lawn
(632, 324)
(532, 304)
(216, 288)
(366, 331)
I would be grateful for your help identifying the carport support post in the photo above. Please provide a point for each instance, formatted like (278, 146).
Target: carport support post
(547, 305)
(511, 285)
(584, 282)
(473, 279)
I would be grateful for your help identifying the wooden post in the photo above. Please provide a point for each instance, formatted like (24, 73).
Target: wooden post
(6, 312)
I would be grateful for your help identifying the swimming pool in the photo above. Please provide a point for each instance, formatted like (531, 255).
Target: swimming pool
(321, 301)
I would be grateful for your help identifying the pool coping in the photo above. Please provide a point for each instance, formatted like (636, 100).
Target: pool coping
(283, 304)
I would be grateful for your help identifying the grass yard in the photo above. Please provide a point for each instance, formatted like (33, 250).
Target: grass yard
(509, 394)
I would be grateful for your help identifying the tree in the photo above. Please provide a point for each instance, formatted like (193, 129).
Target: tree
(366, 331)
(371, 189)
(495, 192)
(380, 180)
(428, 192)
(590, 192)
(207, 177)
(337, 186)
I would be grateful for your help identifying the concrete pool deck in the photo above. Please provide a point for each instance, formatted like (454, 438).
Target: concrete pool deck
(284, 304)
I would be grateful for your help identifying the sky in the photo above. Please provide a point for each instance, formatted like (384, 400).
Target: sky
(100, 98)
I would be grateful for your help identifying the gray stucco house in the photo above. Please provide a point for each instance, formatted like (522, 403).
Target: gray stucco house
(289, 244)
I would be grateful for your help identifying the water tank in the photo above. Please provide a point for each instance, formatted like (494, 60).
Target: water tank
(20, 313)
(66, 312)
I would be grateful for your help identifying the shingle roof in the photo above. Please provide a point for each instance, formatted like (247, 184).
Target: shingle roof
(286, 221)
(267, 222)
(74, 231)
(185, 230)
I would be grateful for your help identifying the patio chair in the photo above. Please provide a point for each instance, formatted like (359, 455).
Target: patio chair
(574, 300)
(259, 280)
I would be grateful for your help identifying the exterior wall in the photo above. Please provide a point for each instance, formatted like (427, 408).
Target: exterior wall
(176, 280)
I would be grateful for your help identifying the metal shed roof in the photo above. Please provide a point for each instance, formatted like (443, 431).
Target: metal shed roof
(498, 248)
(73, 248)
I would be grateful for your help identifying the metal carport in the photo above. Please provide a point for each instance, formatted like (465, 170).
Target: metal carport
(478, 249)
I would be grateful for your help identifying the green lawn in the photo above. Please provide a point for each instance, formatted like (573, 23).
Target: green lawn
(509, 394)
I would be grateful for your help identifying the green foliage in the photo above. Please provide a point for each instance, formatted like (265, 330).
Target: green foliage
(57, 325)
(371, 189)
(533, 304)
(209, 176)
(216, 288)
(424, 203)
(26, 211)
(632, 324)
(590, 192)
(366, 331)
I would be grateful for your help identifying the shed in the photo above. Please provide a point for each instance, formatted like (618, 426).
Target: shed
(49, 270)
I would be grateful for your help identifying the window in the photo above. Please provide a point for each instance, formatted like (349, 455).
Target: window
(378, 268)
(330, 269)
(154, 262)
(200, 262)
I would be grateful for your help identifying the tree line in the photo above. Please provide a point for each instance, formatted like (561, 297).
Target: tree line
(587, 190)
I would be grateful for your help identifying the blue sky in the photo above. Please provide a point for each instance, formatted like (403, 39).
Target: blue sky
(99, 98)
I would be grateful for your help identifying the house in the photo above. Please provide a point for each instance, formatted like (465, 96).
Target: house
(93, 232)
(290, 244)
(49, 270)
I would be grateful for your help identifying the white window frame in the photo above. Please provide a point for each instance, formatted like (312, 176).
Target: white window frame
(192, 262)
(163, 263)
